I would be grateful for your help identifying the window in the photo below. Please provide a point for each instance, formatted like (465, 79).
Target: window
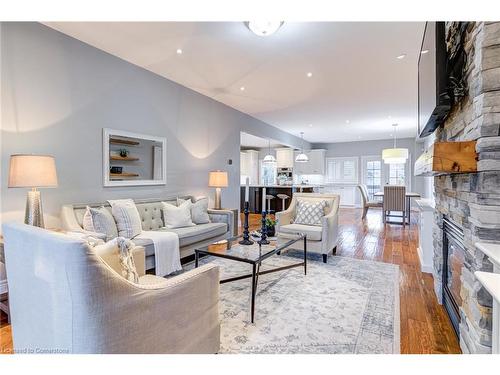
(268, 173)
(397, 174)
(372, 175)
(342, 170)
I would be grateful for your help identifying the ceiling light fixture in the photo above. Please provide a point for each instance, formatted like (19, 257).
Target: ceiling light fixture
(302, 157)
(269, 158)
(179, 51)
(395, 155)
(401, 57)
(242, 88)
(347, 121)
(309, 74)
(263, 28)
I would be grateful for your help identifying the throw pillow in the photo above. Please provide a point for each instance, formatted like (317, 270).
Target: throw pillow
(177, 217)
(100, 220)
(310, 213)
(199, 210)
(127, 217)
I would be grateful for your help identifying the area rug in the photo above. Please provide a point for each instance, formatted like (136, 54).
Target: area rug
(344, 306)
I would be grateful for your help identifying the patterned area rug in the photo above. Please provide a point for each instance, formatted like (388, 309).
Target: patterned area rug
(344, 306)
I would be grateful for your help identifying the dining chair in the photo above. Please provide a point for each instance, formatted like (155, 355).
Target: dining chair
(394, 201)
(367, 203)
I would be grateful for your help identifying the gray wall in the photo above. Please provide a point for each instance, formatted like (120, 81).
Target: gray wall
(57, 95)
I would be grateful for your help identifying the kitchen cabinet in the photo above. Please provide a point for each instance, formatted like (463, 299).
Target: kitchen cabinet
(249, 165)
(315, 165)
(347, 193)
(284, 158)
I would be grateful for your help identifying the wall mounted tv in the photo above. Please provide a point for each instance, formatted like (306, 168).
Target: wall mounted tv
(434, 101)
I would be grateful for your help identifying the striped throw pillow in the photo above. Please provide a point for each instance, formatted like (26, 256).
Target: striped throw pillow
(127, 217)
(100, 220)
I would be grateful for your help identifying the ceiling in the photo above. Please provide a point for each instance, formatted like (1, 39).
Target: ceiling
(357, 89)
(252, 141)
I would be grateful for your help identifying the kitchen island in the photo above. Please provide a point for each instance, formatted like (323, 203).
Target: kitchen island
(255, 198)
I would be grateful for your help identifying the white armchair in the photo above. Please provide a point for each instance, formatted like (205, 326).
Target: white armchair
(320, 239)
(87, 307)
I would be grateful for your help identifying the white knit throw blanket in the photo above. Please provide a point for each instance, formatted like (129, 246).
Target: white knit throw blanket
(127, 260)
(167, 254)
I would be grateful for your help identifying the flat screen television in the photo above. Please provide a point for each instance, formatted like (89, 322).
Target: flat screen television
(434, 101)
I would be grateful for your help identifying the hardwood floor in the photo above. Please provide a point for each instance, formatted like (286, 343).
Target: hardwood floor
(425, 327)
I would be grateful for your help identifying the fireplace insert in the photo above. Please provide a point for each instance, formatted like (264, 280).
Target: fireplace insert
(453, 261)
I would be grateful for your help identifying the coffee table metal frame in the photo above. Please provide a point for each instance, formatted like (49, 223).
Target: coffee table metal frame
(256, 263)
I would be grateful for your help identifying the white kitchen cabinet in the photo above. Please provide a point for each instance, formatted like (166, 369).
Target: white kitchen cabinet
(249, 165)
(347, 193)
(315, 165)
(284, 158)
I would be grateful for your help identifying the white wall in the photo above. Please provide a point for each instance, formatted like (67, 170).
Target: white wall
(57, 94)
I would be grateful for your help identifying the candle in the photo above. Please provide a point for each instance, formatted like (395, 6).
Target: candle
(247, 189)
(263, 199)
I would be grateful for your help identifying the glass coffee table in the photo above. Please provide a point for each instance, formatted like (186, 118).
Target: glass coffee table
(252, 254)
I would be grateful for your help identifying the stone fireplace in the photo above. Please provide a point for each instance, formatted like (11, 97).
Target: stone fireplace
(471, 201)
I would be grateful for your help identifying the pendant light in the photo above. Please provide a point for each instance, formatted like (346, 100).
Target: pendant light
(264, 28)
(269, 158)
(395, 155)
(302, 157)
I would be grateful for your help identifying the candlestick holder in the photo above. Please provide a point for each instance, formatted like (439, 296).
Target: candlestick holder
(263, 230)
(246, 235)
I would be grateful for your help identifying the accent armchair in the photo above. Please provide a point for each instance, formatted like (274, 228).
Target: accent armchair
(320, 239)
(65, 298)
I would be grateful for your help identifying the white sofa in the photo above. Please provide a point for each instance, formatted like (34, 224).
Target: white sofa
(65, 299)
(220, 226)
(320, 239)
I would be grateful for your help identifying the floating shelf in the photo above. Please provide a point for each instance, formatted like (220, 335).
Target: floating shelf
(118, 141)
(120, 158)
(123, 175)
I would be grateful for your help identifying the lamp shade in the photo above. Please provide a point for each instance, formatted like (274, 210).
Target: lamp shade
(302, 158)
(269, 159)
(32, 171)
(217, 179)
(395, 155)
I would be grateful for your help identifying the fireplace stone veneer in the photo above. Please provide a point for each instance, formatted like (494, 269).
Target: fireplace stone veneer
(472, 200)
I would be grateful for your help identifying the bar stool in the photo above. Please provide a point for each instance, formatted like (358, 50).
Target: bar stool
(283, 198)
(269, 197)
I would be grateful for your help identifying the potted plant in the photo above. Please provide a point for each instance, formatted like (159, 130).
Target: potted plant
(271, 227)
(123, 152)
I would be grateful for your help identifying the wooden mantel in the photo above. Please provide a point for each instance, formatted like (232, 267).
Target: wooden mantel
(447, 157)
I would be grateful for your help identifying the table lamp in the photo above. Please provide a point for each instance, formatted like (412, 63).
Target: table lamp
(32, 171)
(218, 180)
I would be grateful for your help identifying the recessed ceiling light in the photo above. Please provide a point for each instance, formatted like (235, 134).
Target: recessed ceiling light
(424, 51)
(179, 51)
(264, 28)
(242, 88)
(401, 57)
(347, 121)
(309, 74)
